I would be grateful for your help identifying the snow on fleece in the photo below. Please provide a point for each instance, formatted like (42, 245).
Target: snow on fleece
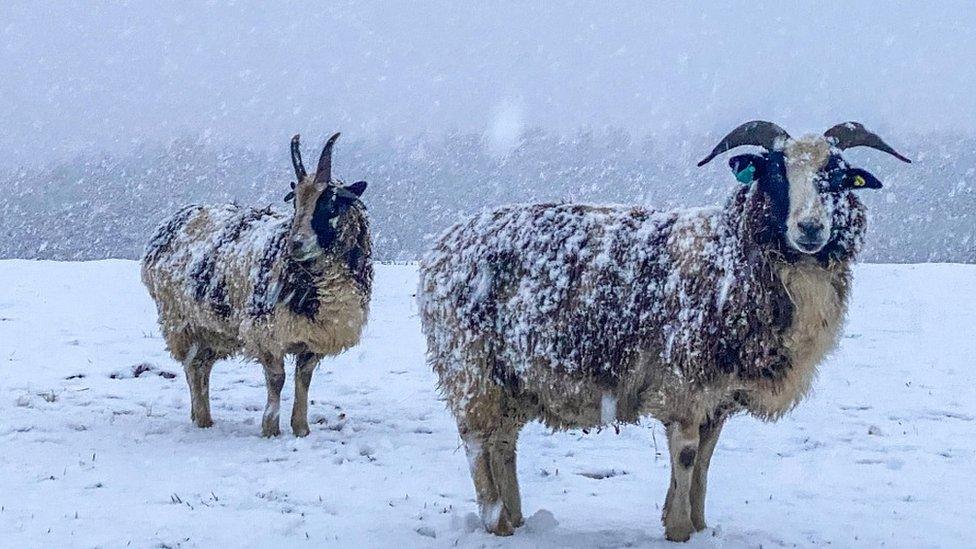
(693, 283)
(259, 235)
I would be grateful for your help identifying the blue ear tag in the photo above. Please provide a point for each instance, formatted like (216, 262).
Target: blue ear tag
(746, 175)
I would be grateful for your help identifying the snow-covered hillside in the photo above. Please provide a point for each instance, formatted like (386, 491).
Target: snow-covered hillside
(97, 449)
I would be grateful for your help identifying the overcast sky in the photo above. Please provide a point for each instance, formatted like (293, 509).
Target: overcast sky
(85, 76)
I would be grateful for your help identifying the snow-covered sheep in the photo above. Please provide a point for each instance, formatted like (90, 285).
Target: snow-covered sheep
(581, 315)
(230, 280)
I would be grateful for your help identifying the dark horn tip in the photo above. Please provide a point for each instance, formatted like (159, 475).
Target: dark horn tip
(296, 138)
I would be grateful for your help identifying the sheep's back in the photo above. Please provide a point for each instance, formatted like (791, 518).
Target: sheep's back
(210, 266)
(573, 289)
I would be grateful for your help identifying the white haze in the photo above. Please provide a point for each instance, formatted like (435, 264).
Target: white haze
(84, 77)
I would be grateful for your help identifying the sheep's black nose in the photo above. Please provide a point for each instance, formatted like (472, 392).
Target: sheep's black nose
(810, 229)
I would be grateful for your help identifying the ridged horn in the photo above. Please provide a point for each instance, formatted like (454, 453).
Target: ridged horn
(323, 174)
(296, 159)
(854, 134)
(757, 132)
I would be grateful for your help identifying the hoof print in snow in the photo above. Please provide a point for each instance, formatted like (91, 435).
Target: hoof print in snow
(139, 369)
(600, 474)
(427, 531)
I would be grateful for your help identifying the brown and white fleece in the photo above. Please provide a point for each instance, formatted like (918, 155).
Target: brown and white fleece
(582, 316)
(226, 282)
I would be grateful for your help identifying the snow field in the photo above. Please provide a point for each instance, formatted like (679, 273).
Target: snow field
(97, 448)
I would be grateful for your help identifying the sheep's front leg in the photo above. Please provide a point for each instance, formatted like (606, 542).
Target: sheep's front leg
(304, 366)
(683, 447)
(274, 376)
(197, 366)
(708, 437)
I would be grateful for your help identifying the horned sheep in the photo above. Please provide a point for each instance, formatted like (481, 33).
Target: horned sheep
(231, 280)
(582, 316)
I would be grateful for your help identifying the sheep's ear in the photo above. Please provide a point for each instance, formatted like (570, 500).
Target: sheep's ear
(357, 188)
(747, 167)
(856, 178)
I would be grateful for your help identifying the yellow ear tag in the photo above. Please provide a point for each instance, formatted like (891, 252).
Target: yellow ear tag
(859, 181)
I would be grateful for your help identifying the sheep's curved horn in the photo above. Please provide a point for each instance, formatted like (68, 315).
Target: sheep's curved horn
(296, 159)
(854, 134)
(323, 174)
(758, 132)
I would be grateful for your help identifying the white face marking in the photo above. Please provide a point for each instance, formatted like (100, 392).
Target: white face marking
(808, 223)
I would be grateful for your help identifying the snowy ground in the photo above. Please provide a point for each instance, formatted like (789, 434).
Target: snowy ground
(91, 455)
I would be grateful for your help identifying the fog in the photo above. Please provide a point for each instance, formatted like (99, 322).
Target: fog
(81, 76)
(85, 81)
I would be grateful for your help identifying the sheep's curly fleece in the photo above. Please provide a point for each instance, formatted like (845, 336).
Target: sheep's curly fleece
(584, 291)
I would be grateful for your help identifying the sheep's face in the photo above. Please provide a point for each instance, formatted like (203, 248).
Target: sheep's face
(321, 216)
(326, 211)
(802, 180)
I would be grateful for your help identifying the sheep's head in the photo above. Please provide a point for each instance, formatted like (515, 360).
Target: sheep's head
(322, 205)
(802, 177)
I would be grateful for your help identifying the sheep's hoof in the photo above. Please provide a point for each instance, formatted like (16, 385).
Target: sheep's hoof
(300, 430)
(503, 527)
(678, 534)
(269, 431)
(519, 522)
(699, 523)
(204, 423)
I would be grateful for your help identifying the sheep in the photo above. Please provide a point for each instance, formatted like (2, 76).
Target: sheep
(229, 280)
(583, 316)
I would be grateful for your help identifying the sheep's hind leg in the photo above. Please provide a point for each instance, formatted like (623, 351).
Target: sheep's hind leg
(683, 447)
(197, 364)
(274, 376)
(502, 450)
(304, 366)
(490, 505)
(708, 437)
(490, 446)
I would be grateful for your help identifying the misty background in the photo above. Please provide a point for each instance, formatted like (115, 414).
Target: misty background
(114, 115)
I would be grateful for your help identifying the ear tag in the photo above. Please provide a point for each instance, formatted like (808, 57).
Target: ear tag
(859, 181)
(745, 176)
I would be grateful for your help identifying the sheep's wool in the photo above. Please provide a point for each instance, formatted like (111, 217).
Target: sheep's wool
(224, 273)
(589, 294)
